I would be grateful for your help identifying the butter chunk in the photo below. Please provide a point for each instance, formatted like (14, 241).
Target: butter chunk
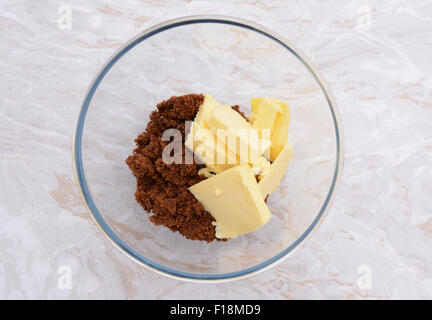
(274, 114)
(206, 172)
(272, 177)
(205, 146)
(210, 151)
(221, 138)
(279, 136)
(234, 199)
(265, 113)
(205, 111)
(256, 103)
(237, 133)
(200, 122)
(266, 116)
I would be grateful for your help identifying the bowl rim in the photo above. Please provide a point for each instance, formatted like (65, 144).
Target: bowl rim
(110, 233)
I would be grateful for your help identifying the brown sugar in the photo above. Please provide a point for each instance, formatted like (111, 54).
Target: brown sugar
(162, 189)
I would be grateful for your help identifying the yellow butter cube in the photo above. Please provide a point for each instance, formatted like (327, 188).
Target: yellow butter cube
(234, 199)
(269, 113)
(272, 177)
(237, 133)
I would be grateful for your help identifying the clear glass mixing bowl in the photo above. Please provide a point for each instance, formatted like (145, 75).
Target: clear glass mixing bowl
(233, 60)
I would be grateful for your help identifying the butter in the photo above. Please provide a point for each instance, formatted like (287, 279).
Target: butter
(201, 141)
(272, 177)
(234, 130)
(200, 122)
(261, 166)
(269, 113)
(265, 113)
(206, 172)
(280, 134)
(221, 138)
(255, 103)
(205, 111)
(210, 151)
(265, 116)
(238, 135)
(234, 199)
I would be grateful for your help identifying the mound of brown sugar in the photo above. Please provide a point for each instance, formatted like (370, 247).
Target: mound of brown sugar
(162, 189)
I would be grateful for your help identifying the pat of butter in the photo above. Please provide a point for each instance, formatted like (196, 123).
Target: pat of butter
(200, 122)
(210, 151)
(237, 134)
(272, 177)
(206, 147)
(206, 172)
(269, 113)
(279, 137)
(234, 144)
(264, 115)
(206, 110)
(233, 198)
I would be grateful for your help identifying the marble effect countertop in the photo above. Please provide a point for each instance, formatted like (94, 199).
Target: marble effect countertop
(376, 241)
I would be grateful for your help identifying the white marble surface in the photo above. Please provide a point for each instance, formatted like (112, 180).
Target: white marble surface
(376, 241)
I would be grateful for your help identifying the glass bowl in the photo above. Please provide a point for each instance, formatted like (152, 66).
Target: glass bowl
(233, 60)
